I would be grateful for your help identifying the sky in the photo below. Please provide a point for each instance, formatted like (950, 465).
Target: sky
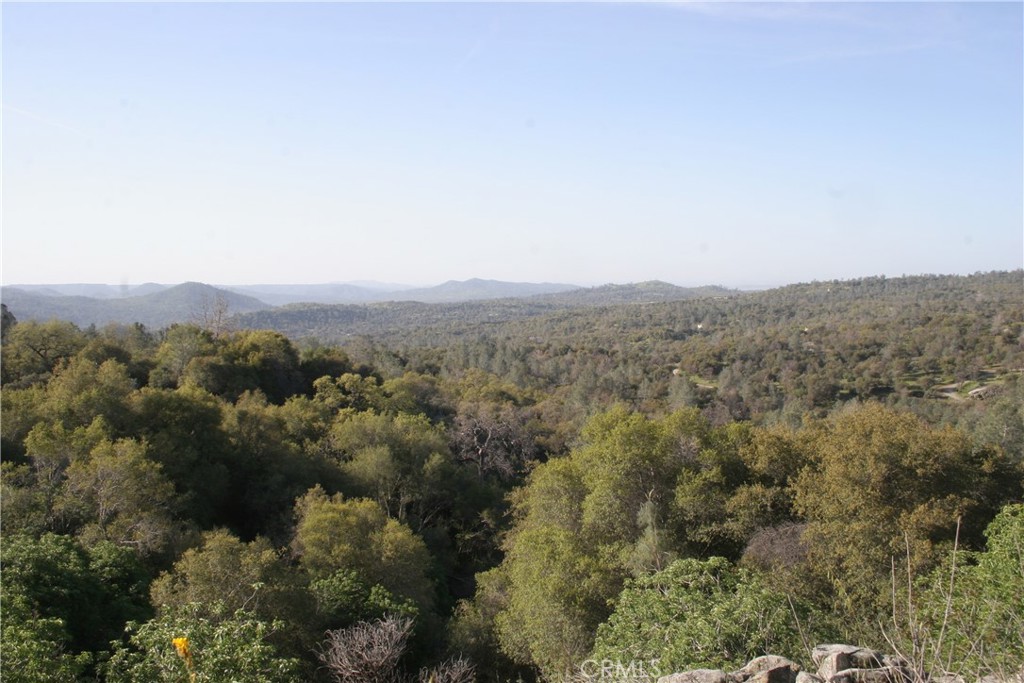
(747, 145)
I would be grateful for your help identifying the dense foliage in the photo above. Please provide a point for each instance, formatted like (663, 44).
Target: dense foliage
(698, 614)
(692, 482)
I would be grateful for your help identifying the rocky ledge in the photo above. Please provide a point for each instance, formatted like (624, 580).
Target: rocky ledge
(835, 664)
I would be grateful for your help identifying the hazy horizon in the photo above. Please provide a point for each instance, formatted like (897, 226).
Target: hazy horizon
(398, 286)
(737, 144)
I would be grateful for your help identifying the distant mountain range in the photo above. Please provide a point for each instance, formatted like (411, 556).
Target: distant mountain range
(158, 306)
(341, 293)
(362, 293)
(94, 291)
(648, 292)
(188, 302)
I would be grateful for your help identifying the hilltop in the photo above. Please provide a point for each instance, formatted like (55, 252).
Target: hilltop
(285, 306)
(187, 302)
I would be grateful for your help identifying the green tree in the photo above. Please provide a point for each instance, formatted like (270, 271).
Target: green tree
(697, 614)
(323, 361)
(398, 460)
(473, 632)
(884, 485)
(350, 390)
(234, 575)
(558, 594)
(35, 648)
(41, 491)
(121, 496)
(7, 321)
(333, 534)
(77, 599)
(416, 393)
(710, 471)
(81, 390)
(183, 432)
(276, 457)
(969, 613)
(344, 598)
(772, 459)
(180, 345)
(184, 645)
(22, 410)
(264, 360)
(581, 524)
(32, 350)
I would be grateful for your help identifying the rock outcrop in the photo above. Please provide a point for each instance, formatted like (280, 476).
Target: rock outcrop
(766, 669)
(835, 663)
(852, 664)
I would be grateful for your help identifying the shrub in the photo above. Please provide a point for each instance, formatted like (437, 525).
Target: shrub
(698, 614)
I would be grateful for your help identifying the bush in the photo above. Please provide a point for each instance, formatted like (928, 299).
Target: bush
(968, 616)
(698, 614)
(184, 645)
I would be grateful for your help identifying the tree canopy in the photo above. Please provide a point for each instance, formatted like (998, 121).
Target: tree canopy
(527, 484)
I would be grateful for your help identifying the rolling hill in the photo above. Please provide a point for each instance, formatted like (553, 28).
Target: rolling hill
(355, 293)
(186, 302)
(331, 310)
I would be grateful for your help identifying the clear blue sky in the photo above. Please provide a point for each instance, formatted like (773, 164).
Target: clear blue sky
(740, 144)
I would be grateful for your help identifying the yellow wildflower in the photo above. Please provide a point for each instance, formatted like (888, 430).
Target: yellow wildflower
(181, 645)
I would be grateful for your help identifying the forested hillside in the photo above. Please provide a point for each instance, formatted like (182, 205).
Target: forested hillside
(507, 489)
(767, 356)
(151, 305)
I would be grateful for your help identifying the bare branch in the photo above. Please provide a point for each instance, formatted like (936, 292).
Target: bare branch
(367, 652)
(456, 670)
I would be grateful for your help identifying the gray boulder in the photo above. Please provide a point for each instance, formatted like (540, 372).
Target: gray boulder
(699, 676)
(871, 675)
(807, 677)
(834, 658)
(768, 669)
